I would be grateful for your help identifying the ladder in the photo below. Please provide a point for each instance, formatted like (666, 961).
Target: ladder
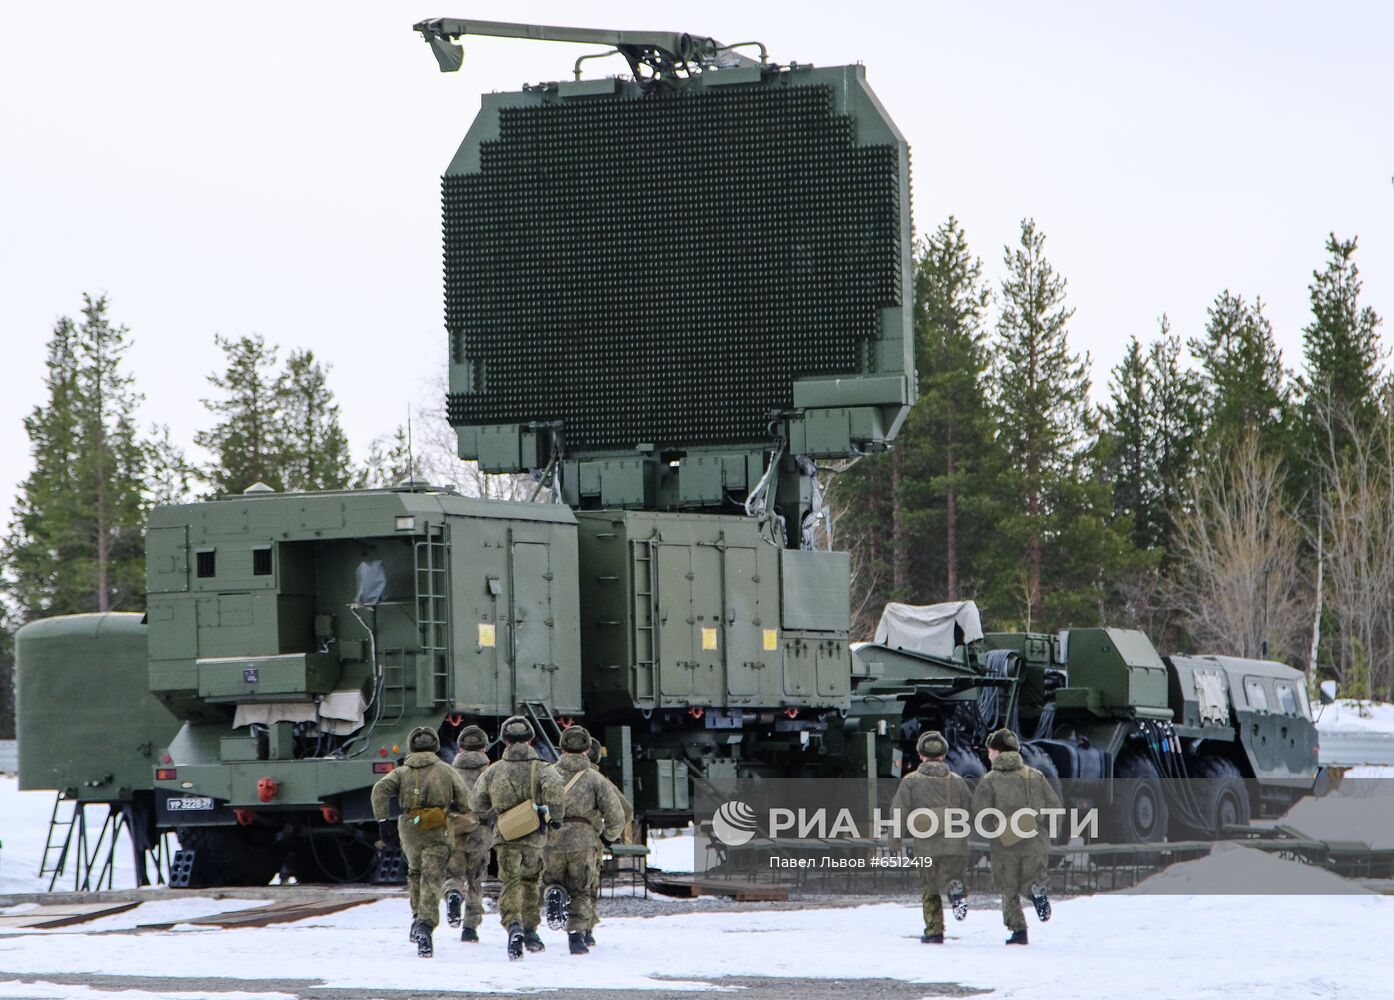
(394, 684)
(60, 837)
(544, 723)
(433, 608)
(644, 617)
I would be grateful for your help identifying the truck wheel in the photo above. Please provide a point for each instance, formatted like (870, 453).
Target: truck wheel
(1225, 796)
(1139, 812)
(965, 764)
(229, 855)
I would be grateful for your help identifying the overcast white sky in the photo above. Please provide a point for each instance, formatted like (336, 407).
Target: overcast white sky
(274, 168)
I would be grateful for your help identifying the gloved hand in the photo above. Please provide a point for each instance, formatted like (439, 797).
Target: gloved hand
(385, 833)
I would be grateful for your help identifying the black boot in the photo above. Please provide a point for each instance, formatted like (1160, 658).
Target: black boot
(470, 934)
(558, 907)
(590, 940)
(515, 942)
(931, 939)
(454, 903)
(1018, 937)
(1041, 901)
(577, 941)
(415, 929)
(958, 899)
(424, 948)
(532, 942)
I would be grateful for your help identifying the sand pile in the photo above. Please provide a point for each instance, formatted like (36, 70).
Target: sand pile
(1233, 869)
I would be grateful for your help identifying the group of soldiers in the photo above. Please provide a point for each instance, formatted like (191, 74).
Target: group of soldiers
(1019, 863)
(547, 825)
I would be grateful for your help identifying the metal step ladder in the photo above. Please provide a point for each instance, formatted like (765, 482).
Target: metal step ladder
(433, 608)
(644, 615)
(545, 724)
(60, 837)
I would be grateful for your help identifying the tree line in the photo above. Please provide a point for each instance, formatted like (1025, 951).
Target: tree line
(1217, 499)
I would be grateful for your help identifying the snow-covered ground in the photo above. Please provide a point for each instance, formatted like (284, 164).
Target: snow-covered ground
(1346, 716)
(1198, 946)
(1299, 941)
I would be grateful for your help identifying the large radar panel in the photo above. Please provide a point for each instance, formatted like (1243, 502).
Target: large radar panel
(641, 274)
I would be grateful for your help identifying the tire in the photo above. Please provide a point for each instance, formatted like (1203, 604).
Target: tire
(331, 859)
(1139, 811)
(1035, 757)
(1226, 797)
(230, 855)
(966, 764)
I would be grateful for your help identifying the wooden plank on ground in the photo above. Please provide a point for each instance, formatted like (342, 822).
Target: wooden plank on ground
(743, 892)
(52, 915)
(262, 916)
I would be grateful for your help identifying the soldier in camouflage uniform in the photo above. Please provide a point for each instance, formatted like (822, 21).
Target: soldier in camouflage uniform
(426, 789)
(933, 787)
(1019, 865)
(593, 810)
(471, 838)
(514, 779)
(594, 757)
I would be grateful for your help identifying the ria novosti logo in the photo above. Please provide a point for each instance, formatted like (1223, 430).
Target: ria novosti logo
(733, 823)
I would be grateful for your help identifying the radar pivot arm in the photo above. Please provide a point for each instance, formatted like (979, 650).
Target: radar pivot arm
(661, 51)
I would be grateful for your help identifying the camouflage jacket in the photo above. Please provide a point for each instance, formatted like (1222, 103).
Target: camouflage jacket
(1010, 786)
(628, 806)
(932, 786)
(507, 782)
(593, 806)
(423, 781)
(468, 831)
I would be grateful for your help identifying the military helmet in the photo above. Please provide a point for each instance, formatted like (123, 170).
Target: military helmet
(595, 751)
(1003, 739)
(516, 729)
(423, 740)
(575, 739)
(932, 744)
(472, 738)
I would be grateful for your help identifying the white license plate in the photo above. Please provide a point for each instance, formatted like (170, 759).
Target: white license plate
(188, 803)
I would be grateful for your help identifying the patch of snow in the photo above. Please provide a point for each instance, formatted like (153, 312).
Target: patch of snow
(24, 820)
(15, 990)
(673, 853)
(1358, 809)
(1347, 716)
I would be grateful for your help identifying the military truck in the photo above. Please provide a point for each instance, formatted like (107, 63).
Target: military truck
(1179, 746)
(667, 297)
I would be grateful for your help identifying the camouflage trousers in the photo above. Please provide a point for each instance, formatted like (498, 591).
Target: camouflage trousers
(574, 871)
(1013, 875)
(464, 873)
(427, 853)
(520, 874)
(934, 881)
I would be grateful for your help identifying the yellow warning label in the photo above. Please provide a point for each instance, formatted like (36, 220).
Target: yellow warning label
(708, 638)
(486, 634)
(771, 640)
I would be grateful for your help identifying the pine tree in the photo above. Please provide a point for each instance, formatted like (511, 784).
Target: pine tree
(1341, 346)
(1044, 425)
(388, 462)
(315, 453)
(1176, 423)
(76, 538)
(1129, 436)
(945, 448)
(1245, 384)
(246, 441)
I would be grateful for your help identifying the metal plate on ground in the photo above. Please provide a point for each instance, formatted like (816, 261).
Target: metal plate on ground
(48, 916)
(261, 916)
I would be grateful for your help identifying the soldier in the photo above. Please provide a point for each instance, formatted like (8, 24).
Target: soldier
(594, 756)
(426, 788)
(1019, 863)
(471, 838)
(944, 860)
(519, 777)
(592, 809)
